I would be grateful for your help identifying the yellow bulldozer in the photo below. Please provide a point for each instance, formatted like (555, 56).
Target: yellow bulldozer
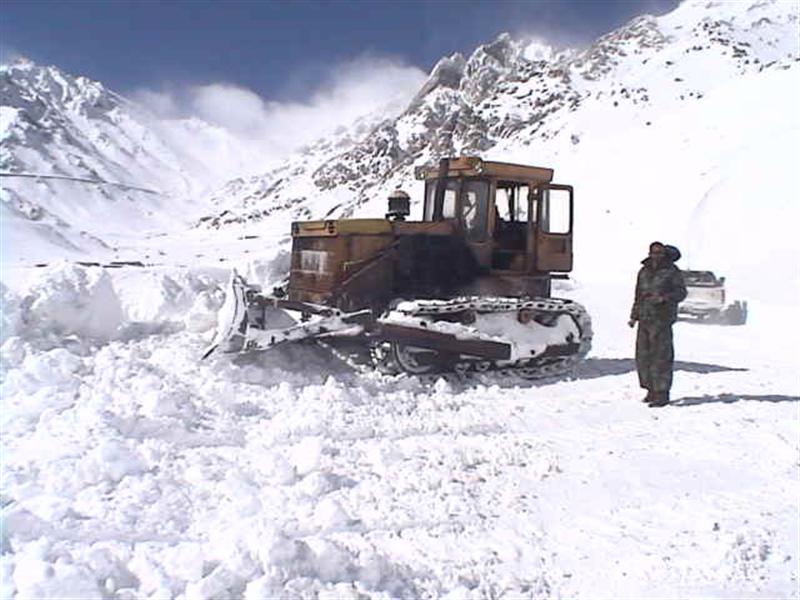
(467, 288)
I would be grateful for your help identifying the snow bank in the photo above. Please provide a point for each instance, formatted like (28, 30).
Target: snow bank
(10, 321)
(62, 300)
(169, 295)
(254, 479)
(269, 273)
(69, 304)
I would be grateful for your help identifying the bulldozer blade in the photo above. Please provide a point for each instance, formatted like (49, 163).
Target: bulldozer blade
(332, 323)
(232, 322)
(252, 322)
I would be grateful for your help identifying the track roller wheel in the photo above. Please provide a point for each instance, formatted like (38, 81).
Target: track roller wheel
(415, 360)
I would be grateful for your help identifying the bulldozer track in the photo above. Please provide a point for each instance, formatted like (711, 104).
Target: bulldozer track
(533, 368)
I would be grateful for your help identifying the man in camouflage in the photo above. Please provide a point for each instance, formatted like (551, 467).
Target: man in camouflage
(659, 290)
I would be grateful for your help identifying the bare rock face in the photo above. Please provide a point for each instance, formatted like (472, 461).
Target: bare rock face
(639, 36)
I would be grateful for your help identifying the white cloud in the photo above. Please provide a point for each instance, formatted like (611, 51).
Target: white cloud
(10, 55)
(162, 103)
(241, 111)
(266, 131)
(537, 48)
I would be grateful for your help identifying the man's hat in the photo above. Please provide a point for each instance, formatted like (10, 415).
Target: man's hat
(673, 253)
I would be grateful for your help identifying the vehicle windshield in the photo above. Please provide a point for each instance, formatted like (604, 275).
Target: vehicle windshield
(449, 204)
(699, 278)
(475, 208)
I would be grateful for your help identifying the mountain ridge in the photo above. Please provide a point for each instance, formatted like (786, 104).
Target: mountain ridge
(469, 105)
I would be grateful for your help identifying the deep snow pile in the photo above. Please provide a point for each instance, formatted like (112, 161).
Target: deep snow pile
(131, 469)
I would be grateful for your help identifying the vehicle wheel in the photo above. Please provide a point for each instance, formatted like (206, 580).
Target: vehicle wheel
(554, 368)
(530, 373)
(415, 360)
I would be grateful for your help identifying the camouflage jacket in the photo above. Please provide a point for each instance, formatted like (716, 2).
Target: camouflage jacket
(658, 293)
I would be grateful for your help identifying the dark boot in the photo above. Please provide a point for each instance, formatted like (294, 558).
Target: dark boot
(659, 399)
(648, 397)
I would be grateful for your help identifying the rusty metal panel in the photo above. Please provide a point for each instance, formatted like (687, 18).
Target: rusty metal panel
(334, 227)
(553, 252)
(316, 283)
(363, 226)
(316, 263)
(313, 228)
(328, 256)
(361, 248)
(304, 295)
(470, 166)
(426, 227)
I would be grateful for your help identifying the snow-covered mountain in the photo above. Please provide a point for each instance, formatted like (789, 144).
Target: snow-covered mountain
(84, 168)
(511, 93)
(663, 126)
(76, 157)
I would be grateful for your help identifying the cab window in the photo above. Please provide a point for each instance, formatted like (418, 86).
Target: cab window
(449, 203)
(556, 214)
(512, 211)
(512, 202)
(475, 208)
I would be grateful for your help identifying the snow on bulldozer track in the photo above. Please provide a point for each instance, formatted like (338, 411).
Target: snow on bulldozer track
(133, 470)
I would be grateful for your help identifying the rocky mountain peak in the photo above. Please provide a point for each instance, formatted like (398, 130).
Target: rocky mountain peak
(447, 73)
(46, 89)
(488, 64)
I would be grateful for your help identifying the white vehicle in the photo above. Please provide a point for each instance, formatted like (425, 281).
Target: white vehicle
(705, 300)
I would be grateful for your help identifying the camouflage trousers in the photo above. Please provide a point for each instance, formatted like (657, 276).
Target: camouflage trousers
(654, 355)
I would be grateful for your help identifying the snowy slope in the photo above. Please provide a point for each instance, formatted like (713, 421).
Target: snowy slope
(86, 172)
(133, 470)
(77, 132)
(83, 169)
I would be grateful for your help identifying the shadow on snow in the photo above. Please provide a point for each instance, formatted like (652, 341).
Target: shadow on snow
(309, 363)
(730, 398)
(592, 368)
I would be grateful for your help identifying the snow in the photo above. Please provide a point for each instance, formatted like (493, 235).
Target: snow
(73, 300)
(133, 469)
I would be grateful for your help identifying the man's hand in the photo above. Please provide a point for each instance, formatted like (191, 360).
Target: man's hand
(632, 323)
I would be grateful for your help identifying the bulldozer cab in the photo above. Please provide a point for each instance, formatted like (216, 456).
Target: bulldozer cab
(513, 218)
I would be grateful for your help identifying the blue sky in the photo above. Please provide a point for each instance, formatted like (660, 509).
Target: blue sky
(281, 50)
